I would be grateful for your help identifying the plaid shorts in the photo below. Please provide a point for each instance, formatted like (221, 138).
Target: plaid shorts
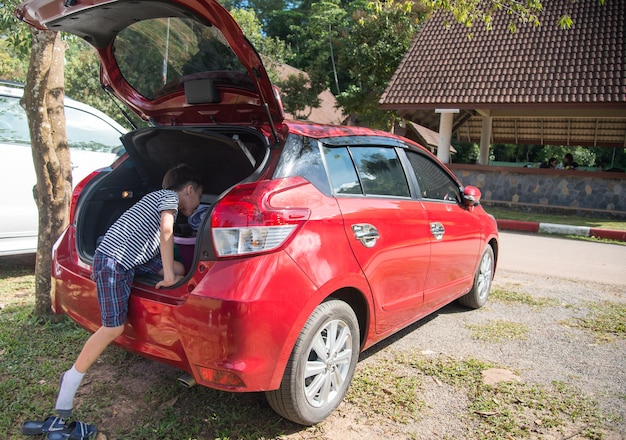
(113, 284)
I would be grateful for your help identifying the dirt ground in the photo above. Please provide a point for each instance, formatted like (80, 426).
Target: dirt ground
(552, 351)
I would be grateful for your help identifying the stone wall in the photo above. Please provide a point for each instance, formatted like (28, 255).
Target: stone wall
(577, 192)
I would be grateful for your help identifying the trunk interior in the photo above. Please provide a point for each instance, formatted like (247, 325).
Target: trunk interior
(224, 156)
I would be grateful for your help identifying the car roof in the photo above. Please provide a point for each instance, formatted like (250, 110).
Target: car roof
(325, 131)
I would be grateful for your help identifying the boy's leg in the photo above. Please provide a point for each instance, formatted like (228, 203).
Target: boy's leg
(95, 345)
(113, 285)
(70, 380)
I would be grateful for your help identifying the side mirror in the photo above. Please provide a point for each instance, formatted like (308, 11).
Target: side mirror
(471, 196)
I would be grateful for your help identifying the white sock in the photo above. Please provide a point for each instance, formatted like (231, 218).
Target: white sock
(70, 381)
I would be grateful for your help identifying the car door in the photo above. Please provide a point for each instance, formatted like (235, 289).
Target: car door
(454, 231)
(386, 228)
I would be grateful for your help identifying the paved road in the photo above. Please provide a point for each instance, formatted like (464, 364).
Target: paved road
(574, 259)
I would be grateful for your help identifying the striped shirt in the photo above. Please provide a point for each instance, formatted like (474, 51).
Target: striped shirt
(135, 237)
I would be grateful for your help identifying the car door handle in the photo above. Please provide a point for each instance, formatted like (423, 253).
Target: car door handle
(367, 234)
(437, 229)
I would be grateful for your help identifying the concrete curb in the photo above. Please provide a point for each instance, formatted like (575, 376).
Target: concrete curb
(551, 228)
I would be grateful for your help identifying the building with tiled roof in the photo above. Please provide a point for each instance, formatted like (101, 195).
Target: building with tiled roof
(541, 85)
(327, 112)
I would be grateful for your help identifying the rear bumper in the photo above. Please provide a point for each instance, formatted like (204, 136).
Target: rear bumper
(228, 344)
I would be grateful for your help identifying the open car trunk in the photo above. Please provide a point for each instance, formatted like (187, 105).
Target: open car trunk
(224, 157)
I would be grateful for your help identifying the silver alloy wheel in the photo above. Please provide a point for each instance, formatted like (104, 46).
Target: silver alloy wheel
(328, 363)
(485, 275)
(321, 365)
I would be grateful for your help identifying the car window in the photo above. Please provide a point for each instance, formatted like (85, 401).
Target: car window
(84, 130)
(434, 182)
(366, 170)
(380, 171)
(301, 157)
(342, 173)
(88, 132)
(154, 55)
(13, 123)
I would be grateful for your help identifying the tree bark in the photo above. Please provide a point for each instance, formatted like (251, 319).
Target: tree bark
(43, 101)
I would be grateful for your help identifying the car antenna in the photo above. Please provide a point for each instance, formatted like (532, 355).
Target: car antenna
(109, 92)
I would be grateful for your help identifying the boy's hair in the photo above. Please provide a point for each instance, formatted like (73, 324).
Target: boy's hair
(177, 177)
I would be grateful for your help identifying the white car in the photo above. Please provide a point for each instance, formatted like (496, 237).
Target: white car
(94, 140)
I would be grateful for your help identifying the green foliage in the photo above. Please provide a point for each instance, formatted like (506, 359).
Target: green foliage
(298, 95)
(375, 41)
(13, 65)
(606, 158)
(469, 12)
(273, 50)
(585, 156)
(11, 29)
(317, 42)
(565, 22)
(466, 152)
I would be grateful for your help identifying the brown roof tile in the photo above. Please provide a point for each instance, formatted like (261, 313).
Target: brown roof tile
(548, 65)
(327, 112)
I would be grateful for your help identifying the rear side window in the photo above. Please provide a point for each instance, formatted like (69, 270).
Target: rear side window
(434, 183)
(301, 157)
(366, 170)
(342, 173)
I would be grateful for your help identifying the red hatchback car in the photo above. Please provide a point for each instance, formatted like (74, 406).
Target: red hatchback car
(311, 244)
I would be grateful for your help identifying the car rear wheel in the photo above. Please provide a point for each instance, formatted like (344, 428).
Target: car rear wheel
(321, 365)
(477, 297)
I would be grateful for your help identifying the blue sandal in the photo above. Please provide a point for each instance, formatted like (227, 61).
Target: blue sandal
(37, 427)
(74, 431)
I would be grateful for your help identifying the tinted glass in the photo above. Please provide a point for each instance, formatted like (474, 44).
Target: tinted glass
(85, 131)
(380, 171)
(154, 55)
(301, 157)
(434, 183)
(343, 176)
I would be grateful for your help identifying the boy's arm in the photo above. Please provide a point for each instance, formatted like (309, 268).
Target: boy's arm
(167, 250)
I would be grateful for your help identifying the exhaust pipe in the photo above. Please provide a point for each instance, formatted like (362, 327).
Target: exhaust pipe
(187, 380)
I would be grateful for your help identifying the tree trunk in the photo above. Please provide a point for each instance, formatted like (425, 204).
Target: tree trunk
(43, 101)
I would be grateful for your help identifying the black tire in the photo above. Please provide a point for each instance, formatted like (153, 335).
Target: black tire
(321, 365)
(477, 297)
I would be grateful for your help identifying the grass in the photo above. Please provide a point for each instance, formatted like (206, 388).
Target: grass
(140, 399)
(562, 219)
(508, 296)
(512, 409)
(396, 394)
(499, 331)
(607, 321)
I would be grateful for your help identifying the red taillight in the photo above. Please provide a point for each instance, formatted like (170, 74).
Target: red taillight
(246, 221)
(76, 193)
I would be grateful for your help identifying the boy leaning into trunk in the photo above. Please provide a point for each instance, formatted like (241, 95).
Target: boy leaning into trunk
(141, 241)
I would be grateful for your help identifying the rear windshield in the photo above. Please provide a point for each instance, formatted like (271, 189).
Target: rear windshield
(156, 56)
